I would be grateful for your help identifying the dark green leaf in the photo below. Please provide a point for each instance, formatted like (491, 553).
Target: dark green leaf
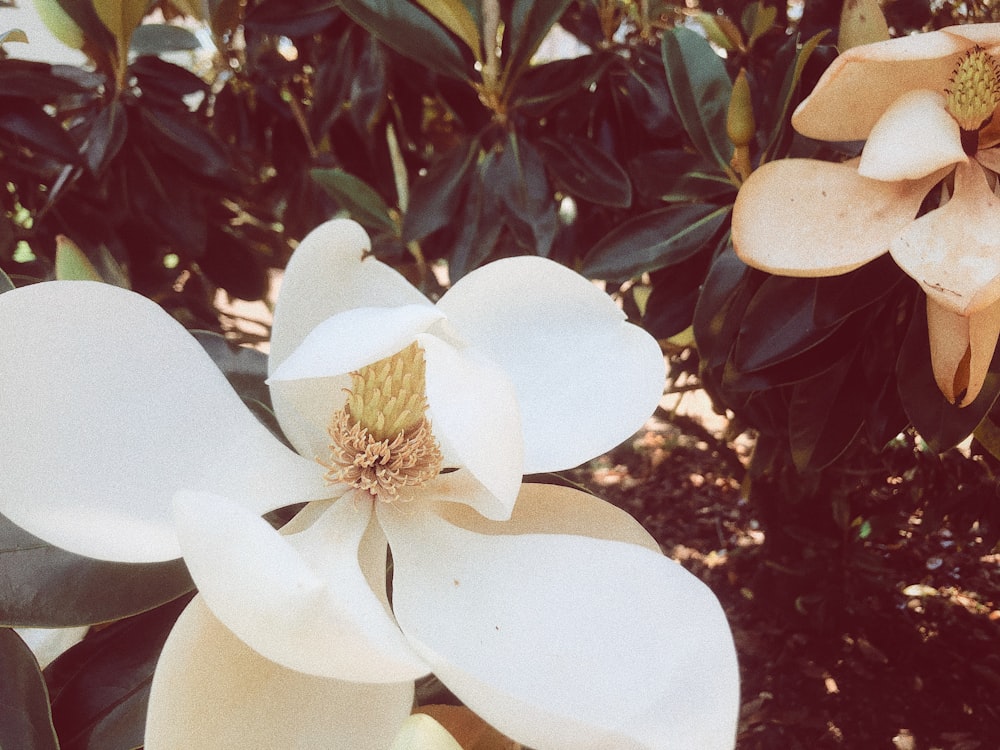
(184, 140)
(100, 688)
(700, 89)
(106, 137)
(29, 126)
(244, 368)
(84, 15)
(44, 586)
(678, 176)
(671, 304)
(530, 21)
(653, 240)
(36, 80)
(825, 415)
(231, 263)
(586, 171)
(412, 32)
(543, 86)
(25, 722)
(157, 38)
(480, 224)
(5, 283)
(434, 197)
(357, 197)
(291, 18)
(787, 95)
(942, 424)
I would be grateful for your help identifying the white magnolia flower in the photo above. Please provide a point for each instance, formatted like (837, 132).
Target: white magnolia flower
(556, 619)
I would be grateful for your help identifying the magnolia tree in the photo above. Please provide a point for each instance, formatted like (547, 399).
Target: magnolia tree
(307, 548)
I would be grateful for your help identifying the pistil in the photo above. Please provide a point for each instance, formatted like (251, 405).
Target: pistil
(973, 95)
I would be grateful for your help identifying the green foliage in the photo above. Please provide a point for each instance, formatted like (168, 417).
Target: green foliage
(25, 720)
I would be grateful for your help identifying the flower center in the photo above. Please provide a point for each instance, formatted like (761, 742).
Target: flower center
(381, 440)
(973, 94)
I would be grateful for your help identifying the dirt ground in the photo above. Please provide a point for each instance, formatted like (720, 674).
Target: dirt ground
(909, 663)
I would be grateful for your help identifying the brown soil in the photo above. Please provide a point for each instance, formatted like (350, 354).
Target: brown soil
(909, 659)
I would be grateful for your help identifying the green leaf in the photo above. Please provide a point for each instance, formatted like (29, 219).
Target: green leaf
(100, 688)
(789, 87)
(157, 38)
(412, 32)
(700, 89)
(530, 21)
(44, 586)
(357, 197)
(121, 17)
(757, 20)
(586, 171)
(6, 284)
(679, 176)
(435, 196)
(653, 240)
(244, 368)
(71, 262)
(25, 721)
(455, 16)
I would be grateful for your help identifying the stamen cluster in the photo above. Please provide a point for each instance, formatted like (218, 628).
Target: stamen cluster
(973, 93)
(381, 440)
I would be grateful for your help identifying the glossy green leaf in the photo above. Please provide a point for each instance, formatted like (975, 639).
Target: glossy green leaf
(700, 89)
(435, 196)
(530, 21)
(28, 123)
(544, 86)
(939, 422)
(44, 586)
(826, 413)
(679, 176)
(455, 16)
(121, 17)
(106, 137)
(86, 17)
(671, 304)
(100, 688)
(71, 262)
(412, 32)
(357, 197)
(787, 94)
(158, 38)
(653, 240)
(757, 19)
(5, 283)
(25, 721)
(720, 307)
(586, 171)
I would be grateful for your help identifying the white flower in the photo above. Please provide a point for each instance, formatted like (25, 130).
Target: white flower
(556, 619)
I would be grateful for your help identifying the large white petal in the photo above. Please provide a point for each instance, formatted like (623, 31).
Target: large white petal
(421, 732)
(962, 349)
(915, 137)
(302, 599)
(474, 414)
(107, 407)
(953, 252)
(213, 692)
(566, 642)
(586, 379)
(802, 217)
(327, 274)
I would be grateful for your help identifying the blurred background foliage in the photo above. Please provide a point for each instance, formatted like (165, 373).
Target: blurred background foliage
(203, 138)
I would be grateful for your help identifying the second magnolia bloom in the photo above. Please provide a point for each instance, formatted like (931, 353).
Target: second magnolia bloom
(925, 106)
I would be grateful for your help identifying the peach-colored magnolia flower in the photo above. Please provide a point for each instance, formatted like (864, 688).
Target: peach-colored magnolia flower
(925, 106)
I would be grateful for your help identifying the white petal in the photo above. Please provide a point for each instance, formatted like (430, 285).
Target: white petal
(212, 692)
(47, 644)
(962, 349)
(953, 252)
(474, 414)
(915, 137)
(302, 600)
(421, 732)
(802, 217)
(567, 642)
(108, 406)
(585, 378)
(327, 274)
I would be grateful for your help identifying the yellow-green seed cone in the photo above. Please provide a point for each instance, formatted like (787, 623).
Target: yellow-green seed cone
(387, 397)
(974, 92)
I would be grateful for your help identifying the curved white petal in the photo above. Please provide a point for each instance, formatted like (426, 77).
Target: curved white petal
(586, 379)
(327, 274)
(421, 732)
(108, 406)
(211, 691)
(302, 600)
(915, 137)
(953, 252)
(567, 642)
(863, 82)
(801, 217)
(474, 414)
(961, 349)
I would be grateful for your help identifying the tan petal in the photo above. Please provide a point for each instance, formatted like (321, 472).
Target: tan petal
(954, 251)
(800, 217)
(213, 692)
(961, 349)
(915, 137)
(863, 82)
